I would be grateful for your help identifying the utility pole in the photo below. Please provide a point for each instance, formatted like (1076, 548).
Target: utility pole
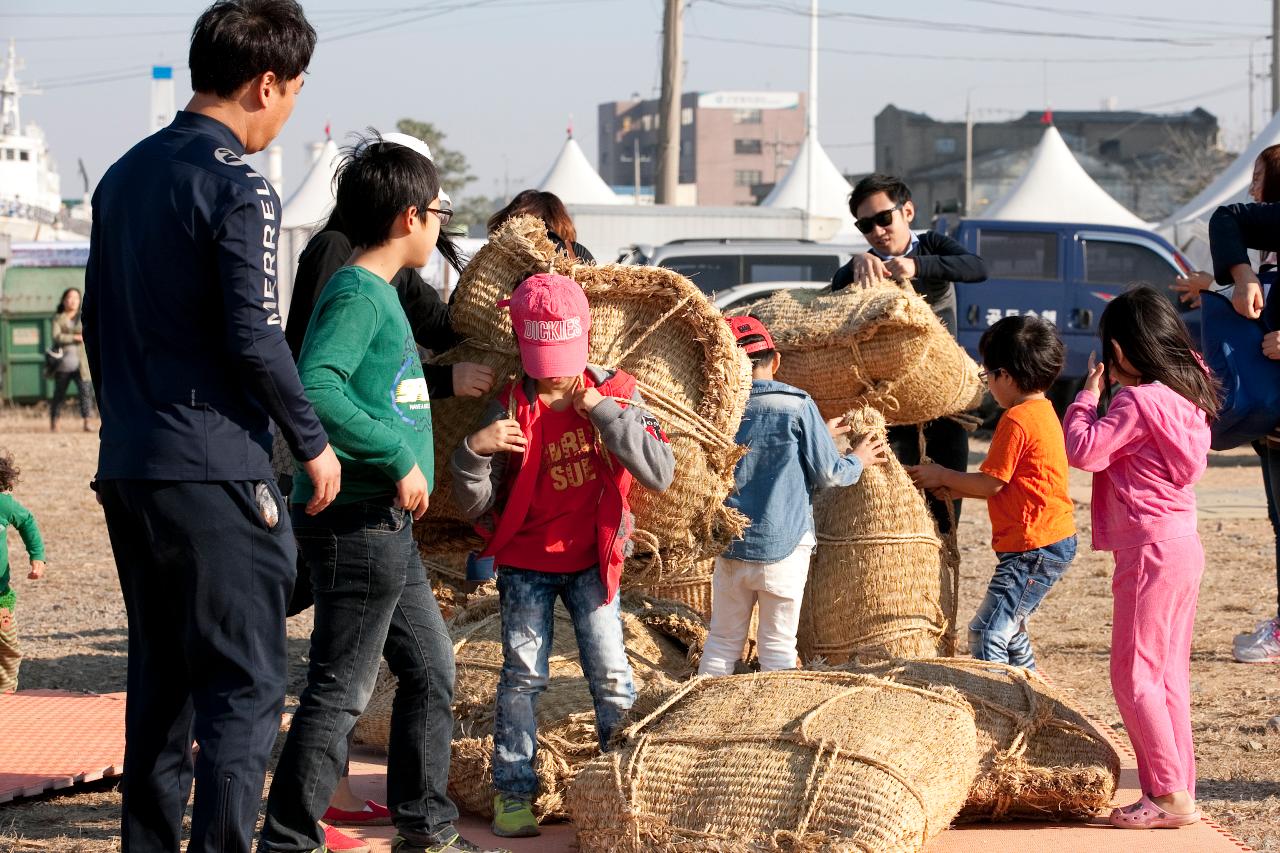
(811, 118)
(1251, 76)
(968, 155)
(669, 111)
(1275, 57)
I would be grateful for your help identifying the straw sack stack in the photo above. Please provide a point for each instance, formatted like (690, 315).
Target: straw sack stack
(1039, 756)
(796, 761)
(879, 587)
(663, 641)
(880, 346)
(656, 325)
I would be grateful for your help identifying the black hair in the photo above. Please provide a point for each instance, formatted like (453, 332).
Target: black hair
(445, 246)
(8, 473)
(378, 181)
(895, 188)
(1156, 344)
(1027, 348)
(760, 357)
(234, 41)
(62, 303)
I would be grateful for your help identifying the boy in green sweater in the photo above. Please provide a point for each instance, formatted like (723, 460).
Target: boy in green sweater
(360, 368)
(15, 515)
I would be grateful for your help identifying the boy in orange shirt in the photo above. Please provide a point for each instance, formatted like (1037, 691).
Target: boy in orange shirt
(1024, 482)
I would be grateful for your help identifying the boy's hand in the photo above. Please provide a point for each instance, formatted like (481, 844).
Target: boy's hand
(325, 473)
(928, 476)
(868, 270)
(1247, 296)
(1093, 381)
(1191, 286)
(586, 399)
(871, 451)
(499, 435)
(901, 268)
(471, 379)
(37, 570)
(1271, 345)
(411, 493)
(837, 427)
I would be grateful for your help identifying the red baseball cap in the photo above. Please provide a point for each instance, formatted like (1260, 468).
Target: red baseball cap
(745, 327)
(551, 319)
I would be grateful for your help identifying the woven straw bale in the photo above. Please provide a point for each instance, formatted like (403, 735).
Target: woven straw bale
(663, 639)
(880, 346)
(656, 325)
(1039, 756)
(878, 585)
(795, 761)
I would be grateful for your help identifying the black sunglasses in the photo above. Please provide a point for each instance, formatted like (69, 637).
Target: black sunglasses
(884, 219)
(445, 214)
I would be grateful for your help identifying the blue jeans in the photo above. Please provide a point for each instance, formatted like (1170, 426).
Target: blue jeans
(1023, 578)
(372, 600)
(528, 619)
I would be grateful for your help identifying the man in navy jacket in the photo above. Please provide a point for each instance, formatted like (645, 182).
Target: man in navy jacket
(183, 334)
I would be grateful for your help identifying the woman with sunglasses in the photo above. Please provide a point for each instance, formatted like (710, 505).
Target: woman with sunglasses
(882, 209)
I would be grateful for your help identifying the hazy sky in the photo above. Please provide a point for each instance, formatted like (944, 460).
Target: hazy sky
(502, 77)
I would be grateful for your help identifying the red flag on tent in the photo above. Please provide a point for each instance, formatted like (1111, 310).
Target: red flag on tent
(327, 133)
(1047, 117)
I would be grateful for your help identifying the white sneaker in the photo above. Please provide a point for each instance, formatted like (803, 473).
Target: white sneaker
(1262, 646)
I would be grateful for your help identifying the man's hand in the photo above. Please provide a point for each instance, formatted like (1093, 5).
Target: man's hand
(903, 269)
(871, 451)
(586, 399)
(868, 270)
(499, 435)
(1190, 287)
(1093, 381)
(928, 476)
(411, 493)
(325, 473)
(471, 379)
(37, 570)
(1271, 345)
(837, 427)
(1247, 297)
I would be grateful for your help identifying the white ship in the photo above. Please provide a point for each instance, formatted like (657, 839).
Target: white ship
(30, 189)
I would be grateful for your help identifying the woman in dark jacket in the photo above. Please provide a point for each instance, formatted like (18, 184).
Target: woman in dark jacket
(73, 367)
(551, 210)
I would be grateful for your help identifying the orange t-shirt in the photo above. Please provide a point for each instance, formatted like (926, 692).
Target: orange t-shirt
(1029, 455)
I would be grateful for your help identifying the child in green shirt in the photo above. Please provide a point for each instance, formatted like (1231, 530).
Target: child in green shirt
(20, 518)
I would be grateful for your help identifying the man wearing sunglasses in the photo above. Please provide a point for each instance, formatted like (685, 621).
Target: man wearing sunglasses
(882, 209)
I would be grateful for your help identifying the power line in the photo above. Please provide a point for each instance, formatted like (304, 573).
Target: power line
(1088, 14)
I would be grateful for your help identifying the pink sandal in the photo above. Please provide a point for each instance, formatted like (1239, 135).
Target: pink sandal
(1145, 814)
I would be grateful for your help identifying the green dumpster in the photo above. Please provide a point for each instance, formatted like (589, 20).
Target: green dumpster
(28, 300)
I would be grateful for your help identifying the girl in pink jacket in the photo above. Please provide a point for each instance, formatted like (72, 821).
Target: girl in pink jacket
(1146, 453)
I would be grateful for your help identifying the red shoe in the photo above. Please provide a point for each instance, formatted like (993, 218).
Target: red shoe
(373, 814)
(338, 842)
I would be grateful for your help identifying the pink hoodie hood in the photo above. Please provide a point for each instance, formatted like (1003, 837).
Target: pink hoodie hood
(1146, 456)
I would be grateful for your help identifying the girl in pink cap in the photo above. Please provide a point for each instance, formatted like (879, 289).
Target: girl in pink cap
(551, 502)
(1146, 454)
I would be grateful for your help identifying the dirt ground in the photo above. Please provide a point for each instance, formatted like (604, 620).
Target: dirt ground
(72, 627)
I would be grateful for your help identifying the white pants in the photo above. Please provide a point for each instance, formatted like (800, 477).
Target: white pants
(736, 586)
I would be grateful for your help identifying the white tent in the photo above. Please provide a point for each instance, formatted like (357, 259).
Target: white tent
(814, 184)
(1056, 188)
(574, 181)
(302, 215)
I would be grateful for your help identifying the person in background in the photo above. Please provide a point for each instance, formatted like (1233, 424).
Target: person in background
(15, 515)
(1024, 482)
(882, 209)
(790, 454)
(551, 210)
(1146, 453)
(183, 334)
(73, 367)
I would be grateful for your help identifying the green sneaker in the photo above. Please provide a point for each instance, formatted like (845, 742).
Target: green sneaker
(456, 844)
(513, 817)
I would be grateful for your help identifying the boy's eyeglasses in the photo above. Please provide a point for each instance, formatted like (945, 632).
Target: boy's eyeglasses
(984, 375)
(884, 219)
(444, 213)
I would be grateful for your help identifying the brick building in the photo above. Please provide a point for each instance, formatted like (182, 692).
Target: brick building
(733, 145)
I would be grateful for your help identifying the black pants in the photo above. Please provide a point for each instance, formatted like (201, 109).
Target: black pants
(945, 442)
(205, 583)
(84, 390)
(1271, 483)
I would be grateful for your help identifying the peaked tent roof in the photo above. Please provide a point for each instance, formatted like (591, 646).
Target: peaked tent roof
(1056, 188)
(1232, 185)
(312, 201)
(574, 181)
(827, 197)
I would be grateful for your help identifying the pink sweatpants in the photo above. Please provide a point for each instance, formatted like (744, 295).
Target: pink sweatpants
(1155, 589)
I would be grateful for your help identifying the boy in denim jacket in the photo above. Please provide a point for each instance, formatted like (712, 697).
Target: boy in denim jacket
(1024, 482)
(790, 453)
